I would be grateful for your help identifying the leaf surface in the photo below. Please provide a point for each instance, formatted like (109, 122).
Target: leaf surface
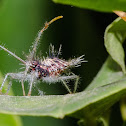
(99, 5)
(60, 105)
(7, 119)
(115, 35)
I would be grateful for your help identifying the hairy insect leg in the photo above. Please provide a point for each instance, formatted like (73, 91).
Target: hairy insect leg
(9, 86)
(10, 83)
(63, 78)
(4, 81)
(65, 84)
(22, 84)
(31, 84)
(22, 81)
(17, 76)
(30, 89)
(76, 84)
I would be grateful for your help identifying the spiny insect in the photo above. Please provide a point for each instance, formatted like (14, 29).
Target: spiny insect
(51, 69)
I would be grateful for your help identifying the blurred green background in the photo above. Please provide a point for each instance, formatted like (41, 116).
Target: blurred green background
(80, 32)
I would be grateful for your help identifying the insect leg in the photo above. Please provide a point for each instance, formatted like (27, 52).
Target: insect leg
(76, 84)
(4, 81)
(63, 78)
(18, 76)
(22, 81)
(9, 86)
(31, 83)
(65, 84)
(22, 84)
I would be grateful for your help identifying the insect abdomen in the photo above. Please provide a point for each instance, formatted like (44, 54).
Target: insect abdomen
(54, 66)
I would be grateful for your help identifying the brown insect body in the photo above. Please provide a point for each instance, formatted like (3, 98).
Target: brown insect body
(49, 67)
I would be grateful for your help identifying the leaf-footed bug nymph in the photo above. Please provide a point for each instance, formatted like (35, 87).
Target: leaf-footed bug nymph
(51, 69)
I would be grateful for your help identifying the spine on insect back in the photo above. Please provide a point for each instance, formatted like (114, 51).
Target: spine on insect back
(76, 62)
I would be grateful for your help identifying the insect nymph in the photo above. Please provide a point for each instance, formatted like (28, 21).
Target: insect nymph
(50, 69)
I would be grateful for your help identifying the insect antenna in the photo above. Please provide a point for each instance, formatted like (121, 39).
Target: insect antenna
(39, 35)
(5, 49)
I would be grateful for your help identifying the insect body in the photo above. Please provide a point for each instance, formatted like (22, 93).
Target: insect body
(50, 69)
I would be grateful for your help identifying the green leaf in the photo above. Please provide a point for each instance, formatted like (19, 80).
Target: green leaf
(99, 5)
(109, 73)
(9, 120)
(115, 35)
(61, 105)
